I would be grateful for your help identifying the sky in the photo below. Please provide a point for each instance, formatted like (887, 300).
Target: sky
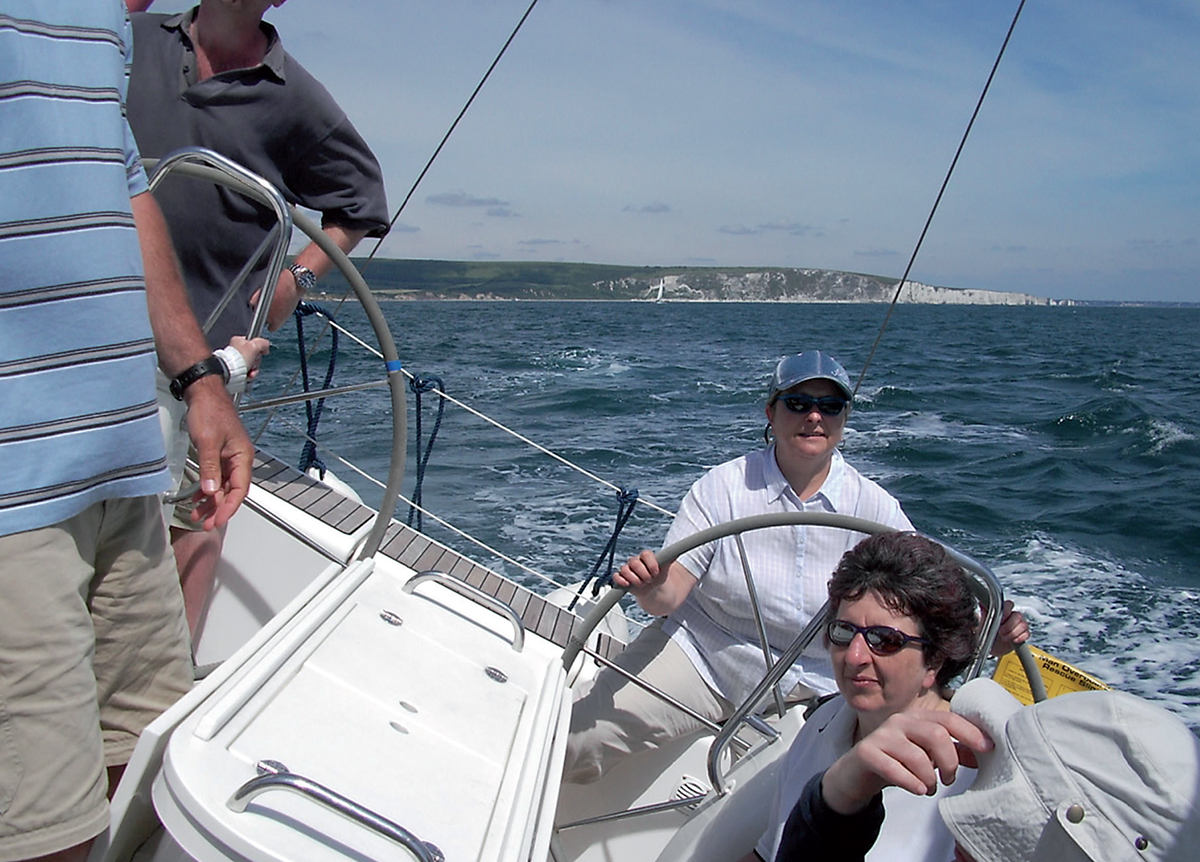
(783, 133)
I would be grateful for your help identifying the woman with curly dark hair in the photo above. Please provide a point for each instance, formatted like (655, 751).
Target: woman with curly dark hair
(901, 625)
(916, 577)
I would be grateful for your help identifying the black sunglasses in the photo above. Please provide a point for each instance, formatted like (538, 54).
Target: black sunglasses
(829, 405)
(881, 640)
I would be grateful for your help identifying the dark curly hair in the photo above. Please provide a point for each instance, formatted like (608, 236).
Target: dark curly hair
(914, 576)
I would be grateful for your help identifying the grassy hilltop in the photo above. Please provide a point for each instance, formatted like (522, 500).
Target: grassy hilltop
(445, 279)
(450, 279)
(495, 280)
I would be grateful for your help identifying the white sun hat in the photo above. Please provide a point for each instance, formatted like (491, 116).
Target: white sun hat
(1101, 776)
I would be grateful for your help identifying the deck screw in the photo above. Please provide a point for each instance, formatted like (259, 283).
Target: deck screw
(270, 767)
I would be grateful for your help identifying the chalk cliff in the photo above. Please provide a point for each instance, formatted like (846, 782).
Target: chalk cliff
(807, 285)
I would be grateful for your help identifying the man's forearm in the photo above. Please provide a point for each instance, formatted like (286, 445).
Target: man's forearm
(224, 452)
(312, 257)
(288, 290)
(316, 259)
(177, 336)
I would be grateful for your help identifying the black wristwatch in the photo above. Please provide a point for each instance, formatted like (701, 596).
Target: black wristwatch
(306, 279)
(203, 368)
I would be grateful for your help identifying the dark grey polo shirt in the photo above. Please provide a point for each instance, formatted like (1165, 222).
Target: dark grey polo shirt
(275, 119)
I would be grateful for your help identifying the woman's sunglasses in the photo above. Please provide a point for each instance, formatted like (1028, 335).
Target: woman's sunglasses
(829, 405)
(881, 640)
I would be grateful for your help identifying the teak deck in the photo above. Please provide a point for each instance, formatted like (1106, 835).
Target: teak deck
(419, 552)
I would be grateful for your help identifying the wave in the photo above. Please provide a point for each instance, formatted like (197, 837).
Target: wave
(1115, 623)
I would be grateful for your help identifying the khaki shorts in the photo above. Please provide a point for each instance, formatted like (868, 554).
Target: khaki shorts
(93, 647)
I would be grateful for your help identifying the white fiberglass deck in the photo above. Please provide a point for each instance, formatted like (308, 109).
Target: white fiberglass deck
(415, 706)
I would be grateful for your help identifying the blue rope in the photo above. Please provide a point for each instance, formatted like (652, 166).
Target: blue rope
(308, 455)
(626, 500)
(419, 385)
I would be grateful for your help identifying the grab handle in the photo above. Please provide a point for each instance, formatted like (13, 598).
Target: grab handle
(472, 592)
(276, 777)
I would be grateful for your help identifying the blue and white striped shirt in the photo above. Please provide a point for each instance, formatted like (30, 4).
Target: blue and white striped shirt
(78, 422)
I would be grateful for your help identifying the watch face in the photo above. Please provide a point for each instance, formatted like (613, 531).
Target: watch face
(306, 279)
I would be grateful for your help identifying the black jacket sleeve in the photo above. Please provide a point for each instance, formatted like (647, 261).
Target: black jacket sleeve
(815, 831)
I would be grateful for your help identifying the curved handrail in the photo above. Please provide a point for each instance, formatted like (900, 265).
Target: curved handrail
(395, 378)
(472, 592)
(207, 164)
(248, 183)
(337, 803)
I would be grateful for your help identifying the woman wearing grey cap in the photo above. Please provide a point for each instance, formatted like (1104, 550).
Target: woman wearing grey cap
(705, 652)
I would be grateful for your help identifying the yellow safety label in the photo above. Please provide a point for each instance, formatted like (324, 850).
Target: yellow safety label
(1058, 676)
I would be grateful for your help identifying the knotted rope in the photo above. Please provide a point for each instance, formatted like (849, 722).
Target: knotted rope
(419, 385)
(308, 455)
(626, 500)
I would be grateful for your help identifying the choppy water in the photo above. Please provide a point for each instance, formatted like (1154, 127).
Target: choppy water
(1057, 445)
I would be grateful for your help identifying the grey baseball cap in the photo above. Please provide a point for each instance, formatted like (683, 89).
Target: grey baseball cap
(809, 365)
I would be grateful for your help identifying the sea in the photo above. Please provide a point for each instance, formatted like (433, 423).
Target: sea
(1060, 446)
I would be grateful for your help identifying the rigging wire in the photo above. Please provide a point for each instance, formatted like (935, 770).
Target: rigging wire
(449, 132)
(501, 426)
(953, 162)
(411, 191)
(367, 477)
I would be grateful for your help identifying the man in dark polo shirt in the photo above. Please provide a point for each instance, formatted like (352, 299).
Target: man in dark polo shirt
(218, 77)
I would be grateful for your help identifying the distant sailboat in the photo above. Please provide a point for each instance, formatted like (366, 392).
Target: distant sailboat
(661, 283)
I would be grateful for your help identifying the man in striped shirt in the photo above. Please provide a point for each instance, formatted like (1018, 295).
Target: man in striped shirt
(93, 642)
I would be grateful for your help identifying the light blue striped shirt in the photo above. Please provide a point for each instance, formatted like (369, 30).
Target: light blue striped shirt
(78, 422)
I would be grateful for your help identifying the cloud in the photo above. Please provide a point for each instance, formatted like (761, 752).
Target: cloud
(1159, 245)
(730, 110)
(462, 199)
(789, 227)
(651, 208)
